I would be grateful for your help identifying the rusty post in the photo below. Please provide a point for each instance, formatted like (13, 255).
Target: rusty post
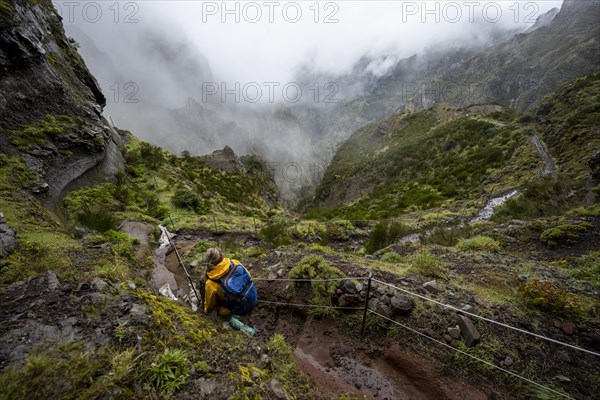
(362, 330)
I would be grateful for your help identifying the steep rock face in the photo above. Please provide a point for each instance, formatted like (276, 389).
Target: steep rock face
(42, 73)
(224, 159)
(522, 71)
(50, 104)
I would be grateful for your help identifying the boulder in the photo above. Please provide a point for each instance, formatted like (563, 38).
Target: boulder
(508, 361)
(564, 356)
(373, 303)
(568, 327)
(401, 305)
(138, 313)
(432, 286)
(454, 332)
(348, 300)
(99, 284)
(52, 280)
(468, 331)
(349, 287)
(277, 390)
(384, 310)
(8, 238)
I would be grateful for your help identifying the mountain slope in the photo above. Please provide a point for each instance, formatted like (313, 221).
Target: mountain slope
(445, 154)
(50, 105)
(531, 65)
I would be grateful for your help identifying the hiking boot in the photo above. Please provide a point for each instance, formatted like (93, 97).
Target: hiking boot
(240, 326)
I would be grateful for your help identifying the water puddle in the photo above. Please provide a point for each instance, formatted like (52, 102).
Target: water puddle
(168, 277)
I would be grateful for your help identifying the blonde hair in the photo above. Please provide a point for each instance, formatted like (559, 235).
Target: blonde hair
(214, 256)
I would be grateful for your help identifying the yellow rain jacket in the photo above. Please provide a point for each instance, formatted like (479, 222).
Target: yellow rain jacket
(212, 290)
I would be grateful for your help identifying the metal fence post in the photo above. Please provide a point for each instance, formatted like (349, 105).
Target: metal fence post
(362, 330)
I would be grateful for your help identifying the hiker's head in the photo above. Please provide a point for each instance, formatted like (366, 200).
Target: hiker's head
(214, 256)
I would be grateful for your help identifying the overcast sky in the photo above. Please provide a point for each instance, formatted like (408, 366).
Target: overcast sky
(328, 37)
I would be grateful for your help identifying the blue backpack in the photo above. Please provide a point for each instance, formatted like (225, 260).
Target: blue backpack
(239, 290)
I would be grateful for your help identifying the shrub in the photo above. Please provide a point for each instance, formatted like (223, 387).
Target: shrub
(541, 197)
(391, 257)
(546, 296)
(275, 231)
(335, 232)
(384, 234)
(446, 236)
(315, 267)
(278, 345)
(588, 268)
(184, 198)
(116, 270)
(318, 248)
(152, 156)
(567, 233)
(479, 243)
(170, 371)
(97, 218)
(427, 264)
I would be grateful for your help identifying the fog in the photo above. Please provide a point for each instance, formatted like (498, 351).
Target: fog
(198, 76)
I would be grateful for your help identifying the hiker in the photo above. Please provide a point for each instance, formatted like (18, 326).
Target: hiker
(229, 289)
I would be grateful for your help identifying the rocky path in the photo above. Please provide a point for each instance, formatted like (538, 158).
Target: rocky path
(549, 168)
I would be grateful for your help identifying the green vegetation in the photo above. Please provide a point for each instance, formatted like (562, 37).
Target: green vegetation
(546, 296)
(564, 234)
(385, 233)
(446, 236)
(170, 371)
(69, 372)
(185, 198)
(422, 162)
(97, 218)
(426, 264)
(588, 268)
(275, 231)
(278, 345)
(6, 10)
(40, 131)
(541, 197)
(315, 267)
(391, 257)
(568, 123)
(475, 243)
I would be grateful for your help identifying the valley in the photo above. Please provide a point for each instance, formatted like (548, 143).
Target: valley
(450, 251)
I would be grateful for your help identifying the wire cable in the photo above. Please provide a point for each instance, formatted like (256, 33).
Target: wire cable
(311, 280)
(308, 305)
(475, 358)
(489, 320)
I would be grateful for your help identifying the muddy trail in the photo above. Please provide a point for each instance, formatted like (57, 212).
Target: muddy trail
(340, 362)
(337, 360)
